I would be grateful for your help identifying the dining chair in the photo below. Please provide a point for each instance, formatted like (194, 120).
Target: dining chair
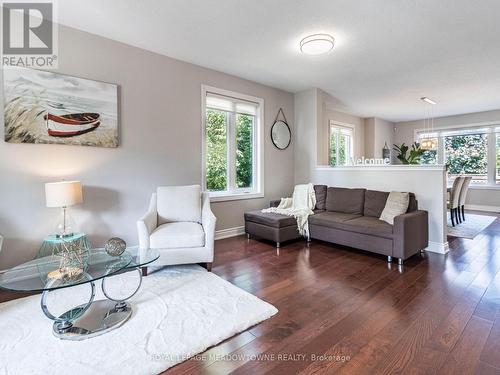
(463, 195)
(453, 203)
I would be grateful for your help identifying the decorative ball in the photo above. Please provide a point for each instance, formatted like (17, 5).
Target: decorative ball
(115, 246)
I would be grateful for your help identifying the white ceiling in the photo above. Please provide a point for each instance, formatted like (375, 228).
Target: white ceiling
(388, 53)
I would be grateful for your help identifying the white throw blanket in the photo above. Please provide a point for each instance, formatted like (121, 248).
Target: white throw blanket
(300, 206)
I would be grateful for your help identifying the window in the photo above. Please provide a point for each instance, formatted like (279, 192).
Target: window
(429, 157)
(497, 178)
(231, 144)
(467, 154)
(341, 144)
(470, 151)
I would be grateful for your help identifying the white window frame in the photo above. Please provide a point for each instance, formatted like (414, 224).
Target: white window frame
(233, 192)
(492, 128)
(352, 129)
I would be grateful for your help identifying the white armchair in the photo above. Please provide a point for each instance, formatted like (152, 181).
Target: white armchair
(180, 224)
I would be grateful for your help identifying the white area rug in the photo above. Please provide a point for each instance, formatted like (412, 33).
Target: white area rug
(179, 312)
(471, 227)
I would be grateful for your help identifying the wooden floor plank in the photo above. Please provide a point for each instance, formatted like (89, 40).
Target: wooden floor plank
(357, 313)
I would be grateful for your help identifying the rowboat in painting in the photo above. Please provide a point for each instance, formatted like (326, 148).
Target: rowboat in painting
(71, 124)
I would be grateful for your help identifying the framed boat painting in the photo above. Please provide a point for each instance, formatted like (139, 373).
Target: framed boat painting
(47, 107)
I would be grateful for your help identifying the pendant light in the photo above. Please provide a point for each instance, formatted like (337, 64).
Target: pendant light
(428, 142)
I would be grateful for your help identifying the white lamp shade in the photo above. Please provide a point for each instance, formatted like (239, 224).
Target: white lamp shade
(63, 194)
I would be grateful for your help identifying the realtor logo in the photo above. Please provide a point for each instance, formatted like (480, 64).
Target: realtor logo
(29, 34)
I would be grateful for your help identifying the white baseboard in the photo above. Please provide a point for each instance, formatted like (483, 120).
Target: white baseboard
(438, 247)
(229, 232)
(479, 207)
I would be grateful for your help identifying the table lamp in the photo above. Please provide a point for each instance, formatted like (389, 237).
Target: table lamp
(63, 194)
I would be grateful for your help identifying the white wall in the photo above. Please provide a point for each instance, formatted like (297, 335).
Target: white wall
(477, 198)
(428, 184)
(160, 144)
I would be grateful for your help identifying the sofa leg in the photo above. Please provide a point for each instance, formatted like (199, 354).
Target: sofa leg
(144, 271)
(389, 259)
(400, 261)
(463, 212)
(208, 266)
(248, 236)
(278, 245)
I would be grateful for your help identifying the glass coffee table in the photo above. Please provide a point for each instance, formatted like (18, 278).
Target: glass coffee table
(94, 317)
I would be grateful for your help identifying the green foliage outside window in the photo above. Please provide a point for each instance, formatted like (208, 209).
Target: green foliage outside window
(340, 141)
(216, 134)
(216, 143)
(429, 157)
(244, 151)
(467, 154)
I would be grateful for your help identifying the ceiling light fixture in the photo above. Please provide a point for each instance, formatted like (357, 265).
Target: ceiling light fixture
(317, 44)
(429, 140)
(427, 100)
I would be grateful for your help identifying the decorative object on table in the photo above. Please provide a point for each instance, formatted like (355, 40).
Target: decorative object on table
(65, 258)
(181, 304)
(414, 155)
(428, 140)
(386, 152)
(115, 246)
(280, 132)
(63, 195)
(48, 107)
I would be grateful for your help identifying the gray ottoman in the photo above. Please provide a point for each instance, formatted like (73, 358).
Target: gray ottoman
(270, 226)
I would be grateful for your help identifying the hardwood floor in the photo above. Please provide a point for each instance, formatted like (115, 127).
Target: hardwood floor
(350, 312)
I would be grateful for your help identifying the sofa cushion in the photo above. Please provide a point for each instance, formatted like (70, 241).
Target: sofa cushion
(370, 225)
(330, 219)
(178, 203)
(177, 235)
(397, 204)
(353, 223)
(348, 201)
(320, 191)
(375, 202)
(270, 219)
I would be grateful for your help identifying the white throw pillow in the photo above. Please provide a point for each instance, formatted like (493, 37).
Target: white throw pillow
(397, 204)
(178, 203)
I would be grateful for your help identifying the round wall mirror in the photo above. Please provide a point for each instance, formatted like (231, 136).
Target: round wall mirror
(280, 134)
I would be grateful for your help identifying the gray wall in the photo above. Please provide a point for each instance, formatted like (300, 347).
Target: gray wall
(477, 198)
(308, 113)
(160, 144)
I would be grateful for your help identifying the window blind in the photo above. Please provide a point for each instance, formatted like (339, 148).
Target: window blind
(229, 104)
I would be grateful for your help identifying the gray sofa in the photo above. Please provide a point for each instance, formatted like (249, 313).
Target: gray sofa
(350, 217)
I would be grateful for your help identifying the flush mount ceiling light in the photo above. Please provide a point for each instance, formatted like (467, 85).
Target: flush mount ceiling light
(317, 44)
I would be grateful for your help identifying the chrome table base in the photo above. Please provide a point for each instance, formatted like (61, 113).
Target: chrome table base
(93, 318)
(101, 317)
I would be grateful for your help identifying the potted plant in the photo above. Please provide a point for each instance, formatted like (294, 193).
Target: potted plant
(409, 155)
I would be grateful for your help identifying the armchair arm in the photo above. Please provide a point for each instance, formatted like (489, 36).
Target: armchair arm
(411, 233)
(208, 221)
(147, 224)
